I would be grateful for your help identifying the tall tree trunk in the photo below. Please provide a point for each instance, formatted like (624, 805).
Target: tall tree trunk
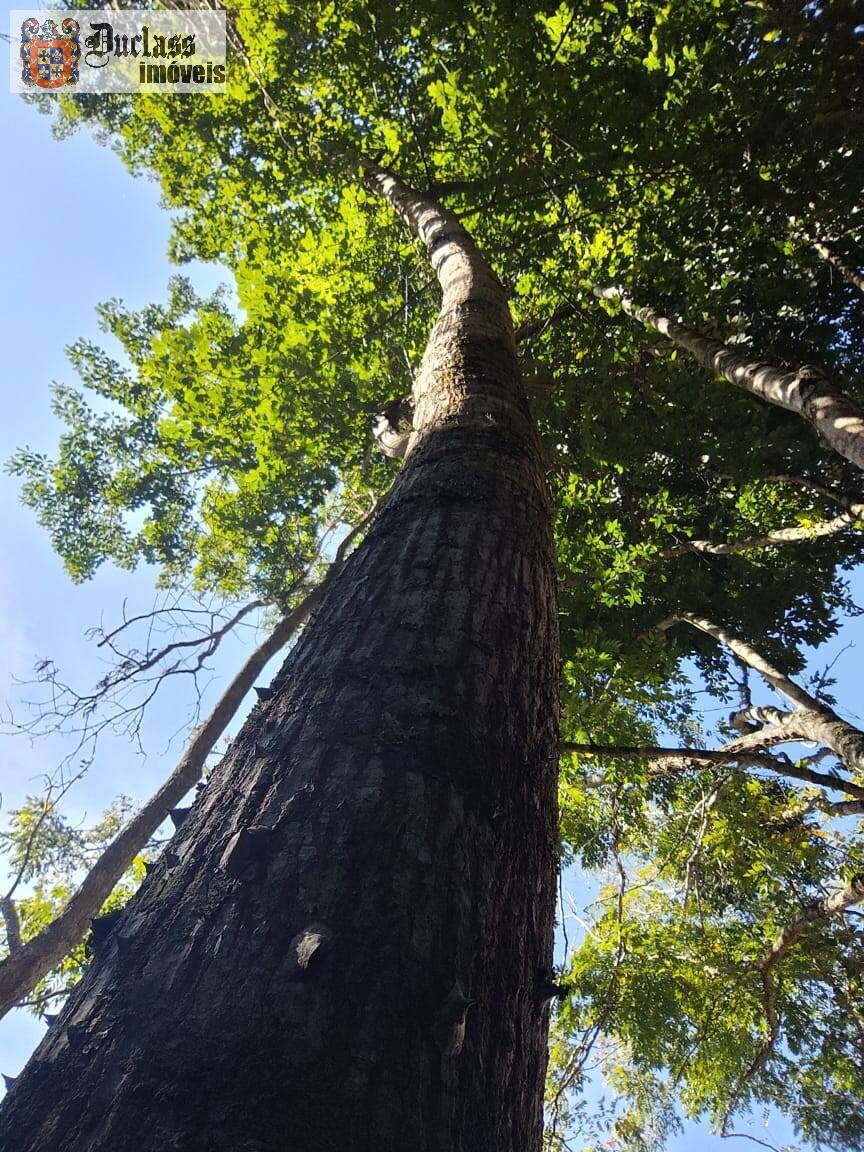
(837, 420)
(380, 840)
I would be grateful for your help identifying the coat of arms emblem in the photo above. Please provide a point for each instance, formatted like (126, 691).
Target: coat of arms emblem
(49, 54)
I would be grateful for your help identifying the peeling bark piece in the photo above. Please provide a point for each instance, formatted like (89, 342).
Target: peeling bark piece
(102, 927)
(178, 817)
(448, 1031)
(246, 849)
(307, 946)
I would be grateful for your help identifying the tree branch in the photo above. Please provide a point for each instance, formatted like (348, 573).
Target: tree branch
(848, 273)
(767, 540)
(533, 328)
(750, 656)
(853, 504)
(806, 391)
(766, 1048)
(815, 913)
(134, 666)
(813, 720)
(22, 970)
(11, 922)
(675, 761)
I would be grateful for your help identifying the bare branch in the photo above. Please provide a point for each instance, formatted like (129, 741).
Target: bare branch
(12, 924)
(813, 720)
(128, 621)
(753, 1139)
(134, 664)
(119, 700)
(55, 791)
(675, 761)
(21, 971)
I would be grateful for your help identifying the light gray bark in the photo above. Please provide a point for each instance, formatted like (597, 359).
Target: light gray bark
(812, 720)
(799, 534)
(821, 910)
(836, 419)
(849, 274)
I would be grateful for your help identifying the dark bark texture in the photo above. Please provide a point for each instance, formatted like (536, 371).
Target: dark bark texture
(28, 963)
(383, 830)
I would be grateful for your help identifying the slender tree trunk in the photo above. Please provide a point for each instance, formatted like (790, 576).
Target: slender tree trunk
(848, 273)
(796, 535)
(380, 840)
(837, 420)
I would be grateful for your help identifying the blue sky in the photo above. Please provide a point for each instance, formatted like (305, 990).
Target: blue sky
(78, 230)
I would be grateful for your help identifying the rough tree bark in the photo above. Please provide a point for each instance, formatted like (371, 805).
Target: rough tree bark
(836, 419)
(382, 832)
(28, 962)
